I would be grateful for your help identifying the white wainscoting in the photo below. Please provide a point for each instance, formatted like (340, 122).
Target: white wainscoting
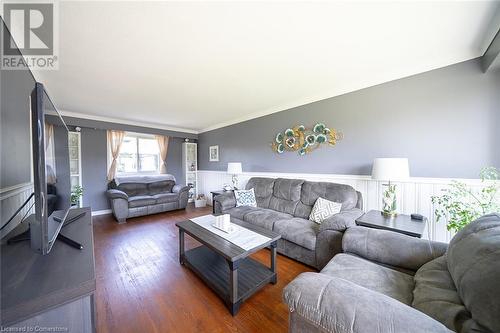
(10, 200)
(414, 195)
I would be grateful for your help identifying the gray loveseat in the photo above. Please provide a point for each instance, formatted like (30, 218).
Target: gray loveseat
(143, 195)
(388, 282)
(284, 205)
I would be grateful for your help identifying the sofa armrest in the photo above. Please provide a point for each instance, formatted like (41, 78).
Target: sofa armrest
(391, 248)
(179, 188)
(116, 194)
(328, 244)
(119, 204)
(225, 200)
(341, 221)
(337, 305)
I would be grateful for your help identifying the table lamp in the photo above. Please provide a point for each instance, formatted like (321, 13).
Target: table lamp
(390, 169)
(234, 169)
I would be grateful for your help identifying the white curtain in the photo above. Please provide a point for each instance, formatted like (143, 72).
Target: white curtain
(163, 145)
(115, 140)
(50, 158)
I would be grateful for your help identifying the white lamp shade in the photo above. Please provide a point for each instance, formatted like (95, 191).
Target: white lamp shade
(390, 169)
(234, 168)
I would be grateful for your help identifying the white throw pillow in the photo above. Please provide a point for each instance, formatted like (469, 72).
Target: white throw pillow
(245, 198)
(324, 209)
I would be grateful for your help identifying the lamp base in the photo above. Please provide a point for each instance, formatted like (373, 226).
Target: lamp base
(389, 201)
(389, 214)
(234, 180)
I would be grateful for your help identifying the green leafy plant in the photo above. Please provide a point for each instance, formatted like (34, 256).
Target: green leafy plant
(76, 194)
(462, 204)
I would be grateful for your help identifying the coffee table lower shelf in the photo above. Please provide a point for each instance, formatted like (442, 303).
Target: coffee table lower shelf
(241, 278)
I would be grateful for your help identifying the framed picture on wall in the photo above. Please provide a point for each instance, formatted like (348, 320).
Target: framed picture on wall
(213, 153)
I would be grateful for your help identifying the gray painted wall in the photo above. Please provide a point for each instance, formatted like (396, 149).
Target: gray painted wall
(94, 168)
(445, 121)
(15, 126)
(94, 156)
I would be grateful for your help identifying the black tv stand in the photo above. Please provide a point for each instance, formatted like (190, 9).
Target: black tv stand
(56, 290)
(19, 238)
(25, 236)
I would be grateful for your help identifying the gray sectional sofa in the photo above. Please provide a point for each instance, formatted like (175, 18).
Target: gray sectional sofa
(388, 282)
(284, 205)
(144, 195)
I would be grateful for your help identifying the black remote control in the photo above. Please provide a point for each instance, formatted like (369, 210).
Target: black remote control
(417, 217)
(70, 242)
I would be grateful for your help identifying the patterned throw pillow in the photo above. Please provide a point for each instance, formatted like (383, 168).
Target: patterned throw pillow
(324, 209)
(245, 198)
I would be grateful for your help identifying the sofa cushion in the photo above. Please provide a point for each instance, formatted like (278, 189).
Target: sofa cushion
(263, 189)
(265, 218)
(372, 276)
(134, 189)
(141, 201)
(311, 191)
(435, 295)
(473, 259)
(298, 231)
(142, 179)
(166, 197)
(240, 212)
(286, 195)
(140, 184)
(287, 189)
(160, 187)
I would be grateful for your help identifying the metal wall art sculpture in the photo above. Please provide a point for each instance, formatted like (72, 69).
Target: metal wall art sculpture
(303, 140)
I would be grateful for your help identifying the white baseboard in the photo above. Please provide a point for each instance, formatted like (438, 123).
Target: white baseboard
(101, 212)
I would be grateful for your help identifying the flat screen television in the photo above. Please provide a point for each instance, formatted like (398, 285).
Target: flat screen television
(34, 163)
(52, 189)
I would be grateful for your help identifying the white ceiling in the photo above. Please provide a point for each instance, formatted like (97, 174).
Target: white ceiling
(203, 65)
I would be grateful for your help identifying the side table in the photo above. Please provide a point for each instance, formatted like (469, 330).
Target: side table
(401, 223)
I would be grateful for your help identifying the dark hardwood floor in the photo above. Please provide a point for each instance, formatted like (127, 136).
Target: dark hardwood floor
(141, 287)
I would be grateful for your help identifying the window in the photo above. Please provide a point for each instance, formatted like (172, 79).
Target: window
(139, 153)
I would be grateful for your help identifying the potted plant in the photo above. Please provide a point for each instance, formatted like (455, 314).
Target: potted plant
(462, 204)
(200, 201)
(76, 194)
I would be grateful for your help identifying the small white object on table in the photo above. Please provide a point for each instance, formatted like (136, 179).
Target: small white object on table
(223, 222)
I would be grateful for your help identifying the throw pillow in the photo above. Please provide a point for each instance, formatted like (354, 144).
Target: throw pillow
(324, 209)
(245, 198)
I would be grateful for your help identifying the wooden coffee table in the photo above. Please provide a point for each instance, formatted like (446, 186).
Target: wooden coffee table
(226, 268)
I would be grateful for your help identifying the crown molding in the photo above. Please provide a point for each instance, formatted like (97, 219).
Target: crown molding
(66, 113)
